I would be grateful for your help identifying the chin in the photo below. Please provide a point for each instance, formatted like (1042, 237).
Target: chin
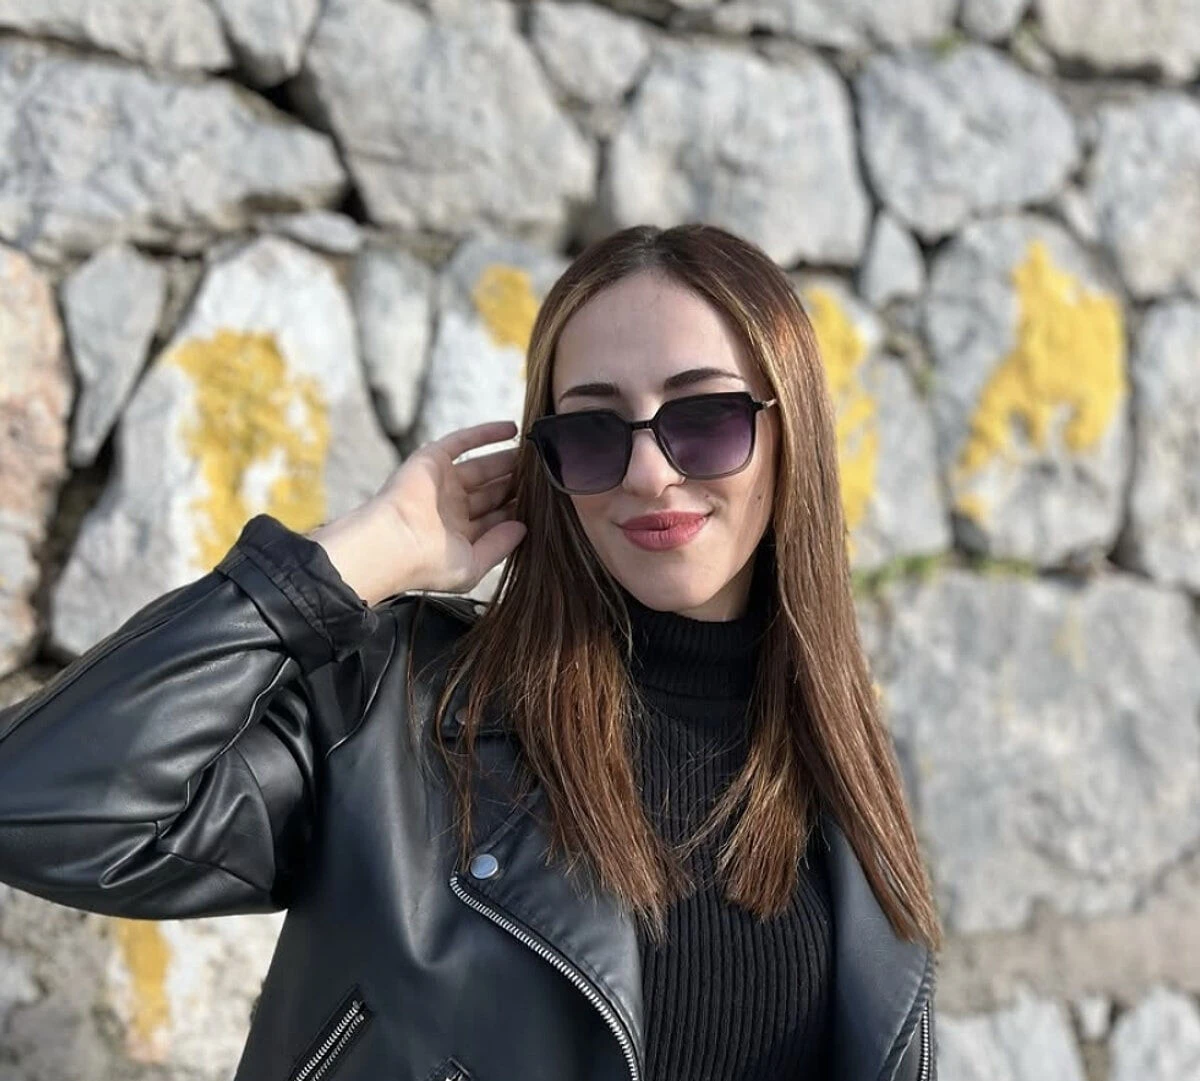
(658, 590)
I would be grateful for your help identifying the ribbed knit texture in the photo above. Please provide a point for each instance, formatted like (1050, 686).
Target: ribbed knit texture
(727, 997)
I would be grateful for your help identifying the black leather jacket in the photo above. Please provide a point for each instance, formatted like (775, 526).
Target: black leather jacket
(243, 744)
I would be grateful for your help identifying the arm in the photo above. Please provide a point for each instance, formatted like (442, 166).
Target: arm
(168, 772)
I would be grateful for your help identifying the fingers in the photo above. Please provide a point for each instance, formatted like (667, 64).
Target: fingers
(498, 542)
(462, 440)
(502, 513)
(488, 496)
(487, 467)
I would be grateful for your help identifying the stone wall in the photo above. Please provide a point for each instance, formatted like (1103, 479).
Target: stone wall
(254, 252)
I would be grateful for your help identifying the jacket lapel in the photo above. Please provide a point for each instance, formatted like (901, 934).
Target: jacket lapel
(878, 977)
(570, 917)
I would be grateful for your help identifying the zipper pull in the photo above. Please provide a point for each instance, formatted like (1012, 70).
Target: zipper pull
(452, 1070)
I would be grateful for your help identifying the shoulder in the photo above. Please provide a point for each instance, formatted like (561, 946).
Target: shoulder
(408, 605)
(465, 609)
(432, 618)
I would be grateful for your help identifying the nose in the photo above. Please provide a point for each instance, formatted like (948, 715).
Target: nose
(649, 470)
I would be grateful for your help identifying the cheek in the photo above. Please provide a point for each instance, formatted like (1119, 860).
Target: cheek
(592, 511)
(754, 493)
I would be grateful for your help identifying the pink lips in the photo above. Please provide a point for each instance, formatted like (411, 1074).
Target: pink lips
(658, 532)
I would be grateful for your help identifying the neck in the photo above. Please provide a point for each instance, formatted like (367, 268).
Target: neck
(676, 655)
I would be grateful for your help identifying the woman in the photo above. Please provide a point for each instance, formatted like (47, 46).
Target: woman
(639, 819)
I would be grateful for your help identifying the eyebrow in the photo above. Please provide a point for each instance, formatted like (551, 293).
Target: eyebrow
(672, 382)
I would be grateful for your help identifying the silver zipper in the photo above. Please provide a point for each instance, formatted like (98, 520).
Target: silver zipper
(564, 966)
(926, 1050)
(340, 1036)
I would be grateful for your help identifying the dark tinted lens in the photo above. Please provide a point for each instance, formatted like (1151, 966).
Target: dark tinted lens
(708, 436)
(585, 451)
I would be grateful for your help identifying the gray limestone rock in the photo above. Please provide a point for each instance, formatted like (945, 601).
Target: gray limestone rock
(1093, 1014)
(35, 400)
(183, 34)
(893, 265)
(1029, 1040)
(1163, 537)
(268, 36)
(111, 306)
(1122, 34)
(906, 515)
(97, 151)
(323, 230)
(1048, 731)
(1158, 1040)
(1145, 188)
(594, 54)
(467, 132)
(992, 20)
(392, 293)
(767, 150)
(947, 138)
(844, 24)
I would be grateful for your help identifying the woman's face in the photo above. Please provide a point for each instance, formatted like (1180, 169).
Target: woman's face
(634, 335)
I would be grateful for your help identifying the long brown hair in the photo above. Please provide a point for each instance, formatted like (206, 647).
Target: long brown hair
(546, 647)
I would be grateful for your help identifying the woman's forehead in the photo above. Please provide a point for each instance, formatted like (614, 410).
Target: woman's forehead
(633, 349)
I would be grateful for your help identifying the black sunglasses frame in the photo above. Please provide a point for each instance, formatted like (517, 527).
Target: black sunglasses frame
(534, 436)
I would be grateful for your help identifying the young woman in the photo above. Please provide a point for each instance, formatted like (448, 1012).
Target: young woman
(636, 819)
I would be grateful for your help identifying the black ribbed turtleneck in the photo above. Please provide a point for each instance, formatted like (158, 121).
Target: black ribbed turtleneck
(727, 997)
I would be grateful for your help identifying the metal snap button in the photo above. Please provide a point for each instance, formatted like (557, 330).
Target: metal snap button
(484, 865)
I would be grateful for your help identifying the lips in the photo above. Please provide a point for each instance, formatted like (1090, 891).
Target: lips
(664, 531)
(662, 520)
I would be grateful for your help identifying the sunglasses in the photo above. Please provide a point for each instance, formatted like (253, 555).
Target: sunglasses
(703, 436)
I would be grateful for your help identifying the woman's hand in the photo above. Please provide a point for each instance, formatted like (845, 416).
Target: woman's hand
(434, 524)
(458, 518)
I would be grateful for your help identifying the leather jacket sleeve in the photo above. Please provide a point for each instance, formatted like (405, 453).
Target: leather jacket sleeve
(168, 772)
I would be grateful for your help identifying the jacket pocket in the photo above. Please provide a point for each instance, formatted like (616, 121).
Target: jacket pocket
(336, 1036)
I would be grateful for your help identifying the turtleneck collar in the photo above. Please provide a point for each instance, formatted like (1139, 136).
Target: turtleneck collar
(692, 658)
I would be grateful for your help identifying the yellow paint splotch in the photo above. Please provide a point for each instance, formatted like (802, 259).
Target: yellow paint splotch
(1069, 355)
(843, 350)
(146, 956)
(260, 435)
(507, 303)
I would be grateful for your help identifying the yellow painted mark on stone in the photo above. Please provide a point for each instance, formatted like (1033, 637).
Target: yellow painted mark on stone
(261, 437)
(146, 956)
(843, 350)
(507, 303)
(972, 506)
(1069, 355)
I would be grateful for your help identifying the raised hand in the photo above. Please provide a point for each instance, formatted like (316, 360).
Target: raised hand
(434, 524)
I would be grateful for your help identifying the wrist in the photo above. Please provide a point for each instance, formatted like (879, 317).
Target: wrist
(369, 551)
